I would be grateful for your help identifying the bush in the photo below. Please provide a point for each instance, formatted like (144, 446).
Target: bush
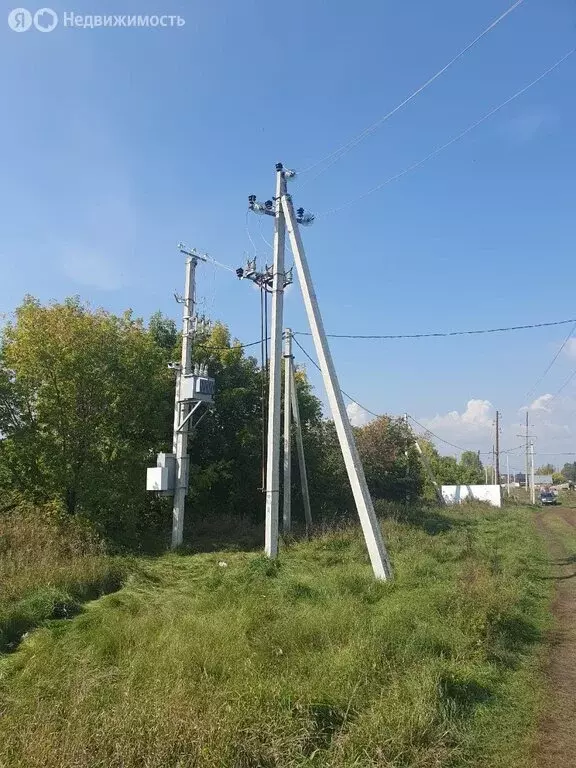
(49, 564)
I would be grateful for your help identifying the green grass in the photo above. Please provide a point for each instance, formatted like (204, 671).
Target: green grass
(49, 566)
(308, 662)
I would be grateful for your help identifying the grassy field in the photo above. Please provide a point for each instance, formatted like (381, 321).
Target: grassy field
(49, 565)
(226, 660)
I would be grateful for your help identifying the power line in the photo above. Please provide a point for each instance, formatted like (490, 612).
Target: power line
(452, 141)
(563, 387)
(229, 349)
(252, 243)
(556, 356)
(429, 431)
(372, 413)
(441, 334)
(341, 151)
(315, 364)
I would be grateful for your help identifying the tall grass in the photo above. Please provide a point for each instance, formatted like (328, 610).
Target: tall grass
(49, 564)
(227, 660)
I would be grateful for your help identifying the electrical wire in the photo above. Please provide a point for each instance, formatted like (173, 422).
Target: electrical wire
(427, 431)
(440, 334)
(353, 399)
(228, 349)
(556, 356)
(218, 263)
(452, 141)
(252, 243)
(341, 151)
(269, 245)
(563, 387)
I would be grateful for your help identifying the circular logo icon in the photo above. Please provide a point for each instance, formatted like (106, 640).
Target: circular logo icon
(45, 20)
(20, 20)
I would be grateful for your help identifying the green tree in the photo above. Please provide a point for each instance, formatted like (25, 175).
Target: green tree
(546, 469)
(163, 331)
(471, 470)
(569, 472)
(558, 478)
(393, 469)
(84, 405)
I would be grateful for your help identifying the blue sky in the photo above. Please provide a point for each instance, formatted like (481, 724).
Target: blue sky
(117, 143)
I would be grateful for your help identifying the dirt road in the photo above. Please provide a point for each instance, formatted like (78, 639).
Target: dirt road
(557, 742)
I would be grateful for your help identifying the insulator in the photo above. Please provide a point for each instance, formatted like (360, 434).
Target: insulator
(306, 219)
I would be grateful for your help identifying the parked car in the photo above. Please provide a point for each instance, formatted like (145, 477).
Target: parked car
(548, 497)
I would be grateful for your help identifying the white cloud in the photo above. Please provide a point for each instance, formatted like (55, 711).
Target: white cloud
(541, 403)
(476, 416)
(357, 415)
(552, 425)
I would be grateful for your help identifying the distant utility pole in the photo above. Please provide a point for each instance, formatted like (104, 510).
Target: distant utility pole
(508, 474)
(497, 447)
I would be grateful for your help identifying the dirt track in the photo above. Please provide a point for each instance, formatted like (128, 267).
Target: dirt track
(557, 741)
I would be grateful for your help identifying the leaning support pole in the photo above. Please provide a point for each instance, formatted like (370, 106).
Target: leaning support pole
(300, 448)
(274, 391)
(368, 520)
(287, 484)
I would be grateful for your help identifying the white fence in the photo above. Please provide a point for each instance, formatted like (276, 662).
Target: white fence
(455, 494)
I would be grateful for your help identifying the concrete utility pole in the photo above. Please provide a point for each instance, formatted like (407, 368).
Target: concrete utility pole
(532, 484)
(369, 521)
(193, 388)
(274, 394)
(300, 447)
(287, 484)
(182, 407)
(508, 474)
(497, 447)
(292, 408)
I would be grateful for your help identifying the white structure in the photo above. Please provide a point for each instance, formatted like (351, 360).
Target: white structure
(287, 221)
(193, 388)
(455, 494)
